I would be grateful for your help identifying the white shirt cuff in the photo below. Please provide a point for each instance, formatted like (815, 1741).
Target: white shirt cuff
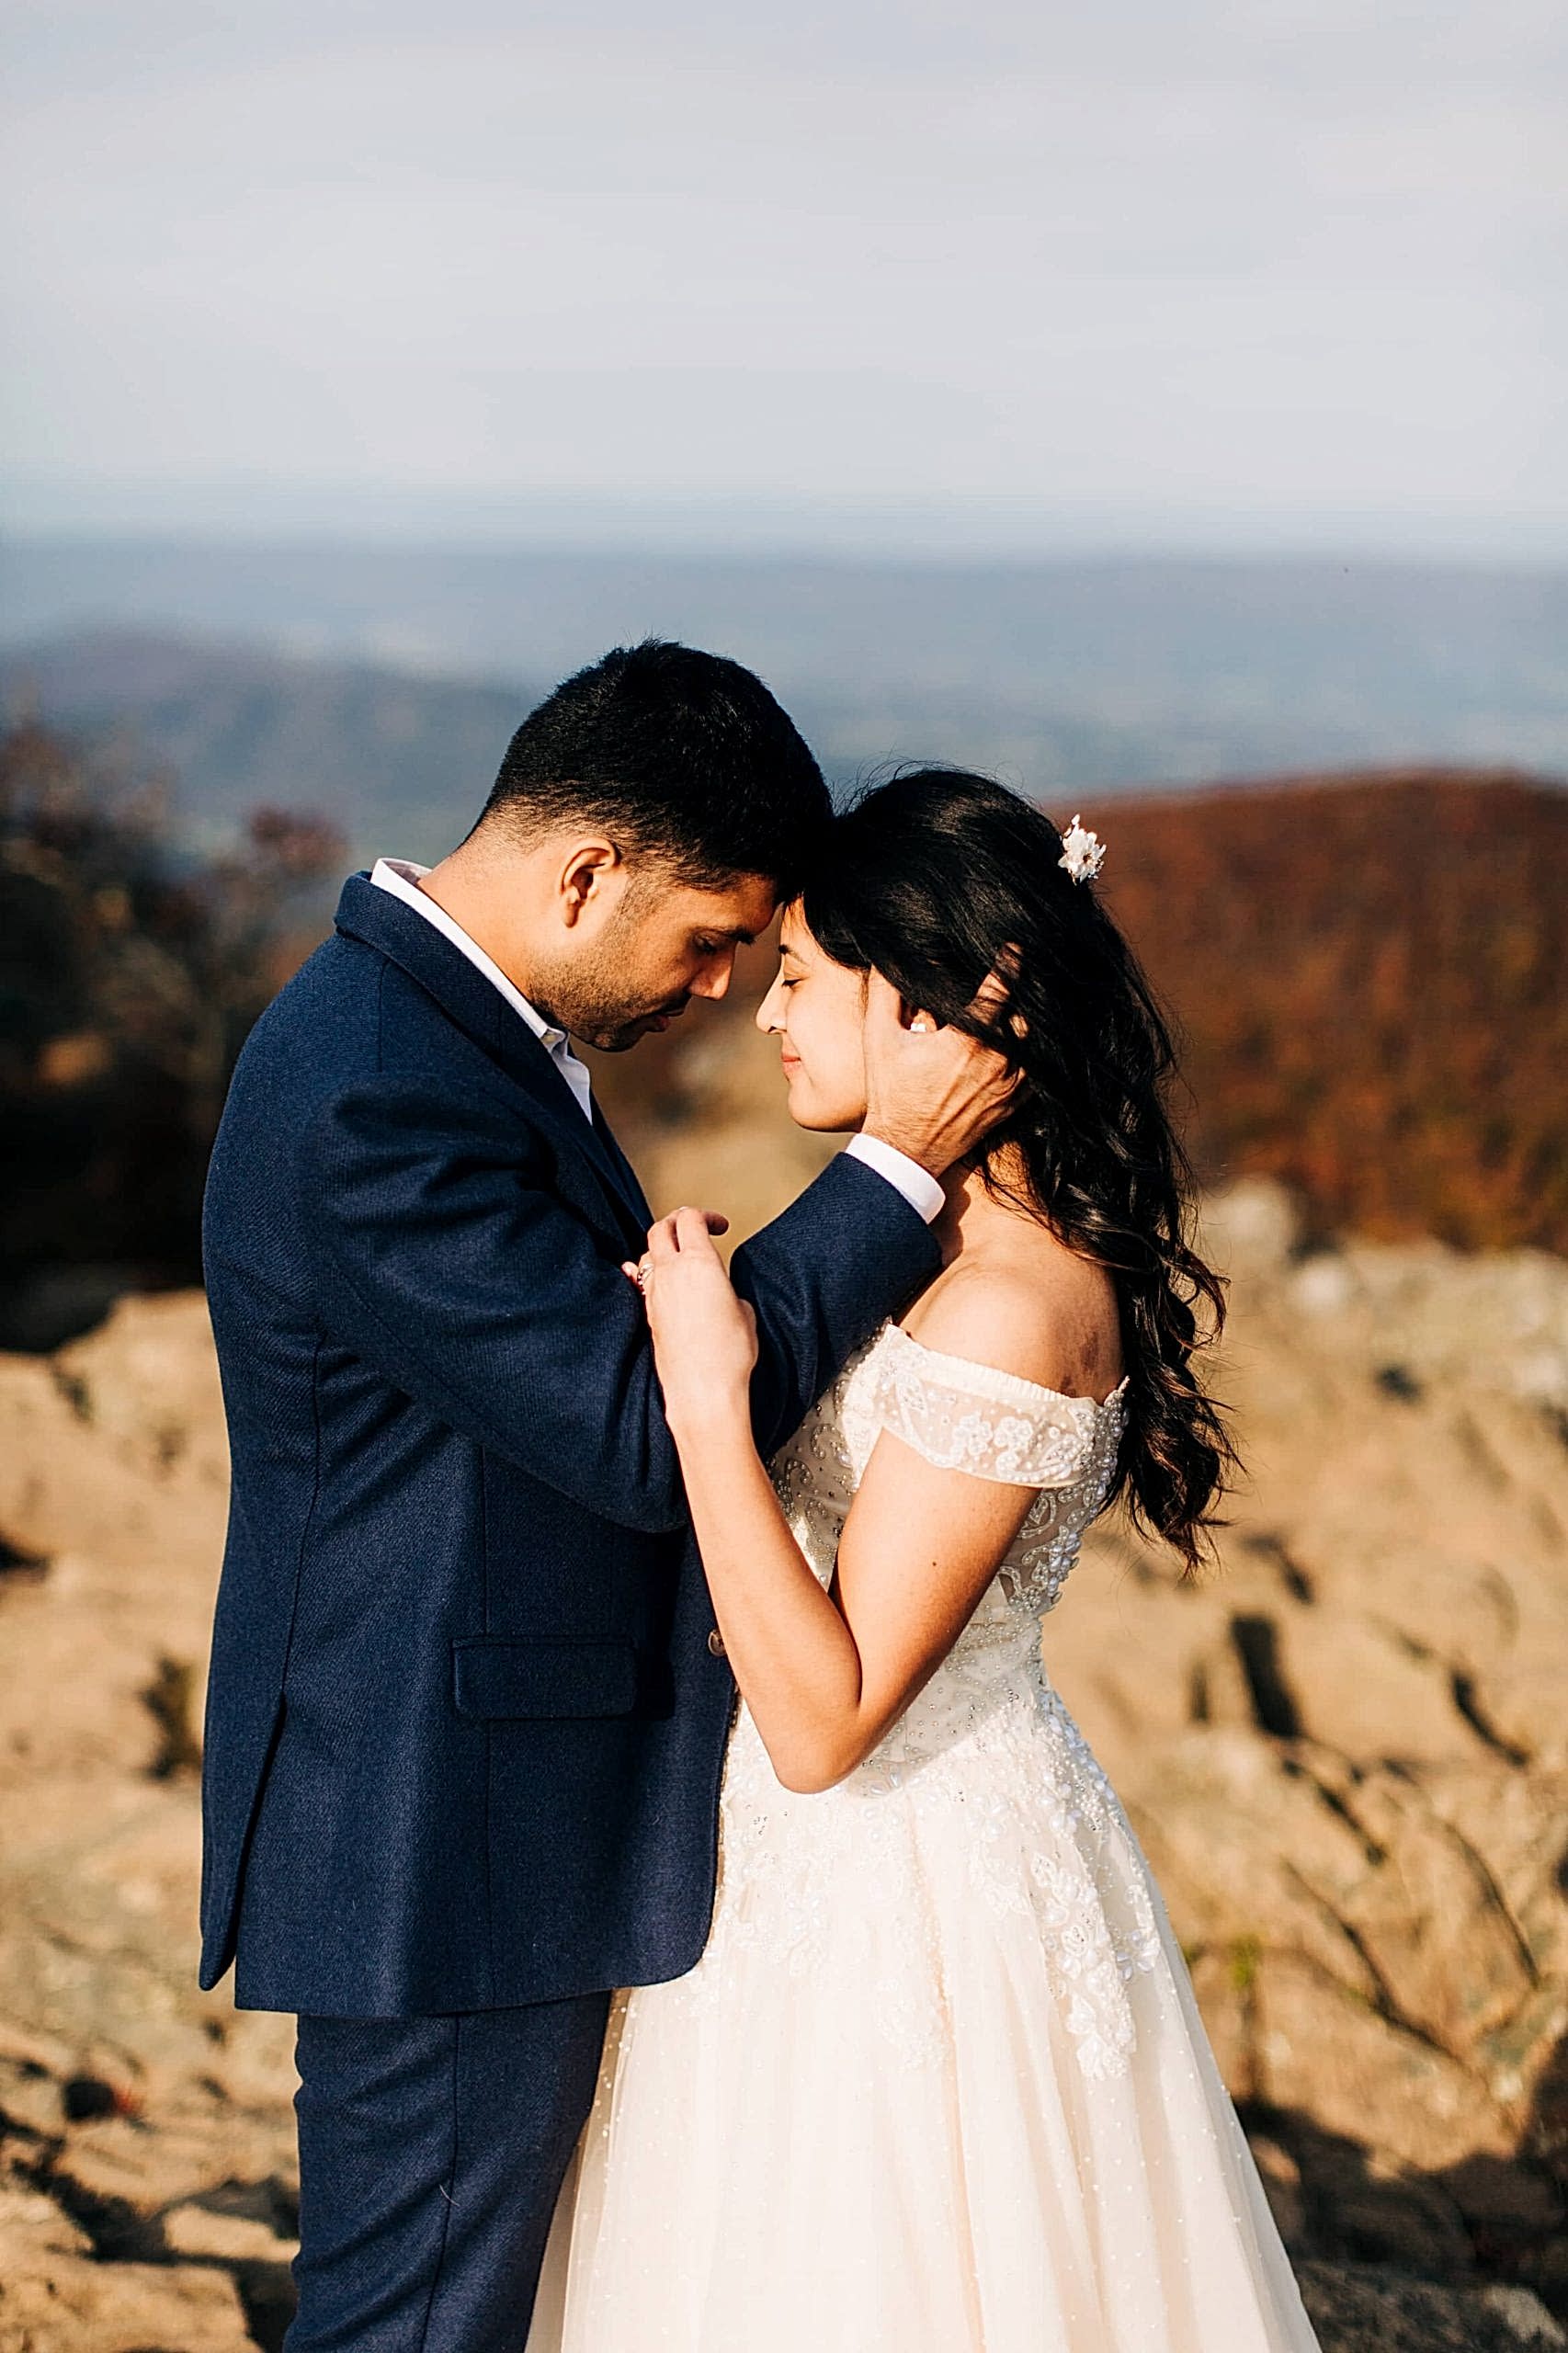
(917, 1185)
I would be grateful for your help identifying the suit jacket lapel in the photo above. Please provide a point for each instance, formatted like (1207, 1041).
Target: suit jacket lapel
(383, 922)
(630, 1186)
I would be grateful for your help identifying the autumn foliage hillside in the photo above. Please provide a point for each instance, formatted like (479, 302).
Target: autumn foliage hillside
(1370, 978)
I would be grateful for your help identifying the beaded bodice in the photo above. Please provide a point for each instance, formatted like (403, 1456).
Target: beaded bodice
(970, 1418)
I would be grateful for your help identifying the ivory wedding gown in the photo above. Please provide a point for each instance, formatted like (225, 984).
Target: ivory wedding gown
(938, 2083)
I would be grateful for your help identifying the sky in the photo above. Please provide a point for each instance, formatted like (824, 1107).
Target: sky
(1251, 274)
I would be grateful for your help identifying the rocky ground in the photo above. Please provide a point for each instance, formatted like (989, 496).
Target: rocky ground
(1347, 1753)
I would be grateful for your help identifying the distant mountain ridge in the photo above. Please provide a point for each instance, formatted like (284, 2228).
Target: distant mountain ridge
(399, 763)
(1067, 678)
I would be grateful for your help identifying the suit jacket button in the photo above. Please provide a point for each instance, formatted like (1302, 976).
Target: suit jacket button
(716, 1643)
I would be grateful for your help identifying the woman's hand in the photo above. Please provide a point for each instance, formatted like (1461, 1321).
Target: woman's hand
(704, 1337)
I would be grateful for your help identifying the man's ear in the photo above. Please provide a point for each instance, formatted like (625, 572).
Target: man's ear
(582, 872)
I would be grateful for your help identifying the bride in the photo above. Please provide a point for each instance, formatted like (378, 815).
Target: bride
(938, 2083)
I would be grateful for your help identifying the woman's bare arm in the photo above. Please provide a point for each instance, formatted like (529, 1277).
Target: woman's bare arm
(825, 1674)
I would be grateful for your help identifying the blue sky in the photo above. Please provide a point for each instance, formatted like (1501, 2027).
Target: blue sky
(1173, 275)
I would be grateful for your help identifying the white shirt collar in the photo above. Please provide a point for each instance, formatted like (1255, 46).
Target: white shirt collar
(919, 1189)
(399, 876)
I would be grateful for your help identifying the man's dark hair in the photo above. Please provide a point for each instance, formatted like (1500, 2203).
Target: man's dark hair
(674, 751)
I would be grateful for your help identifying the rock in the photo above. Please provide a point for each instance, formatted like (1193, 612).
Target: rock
(1282, 2179)
(1253, 1228)
(69, 2303)
(35, 2234)
(220, 2226)
(1346, 1754)
(1361, 2310)
(1524, 2312)
(1356, 1812)
(130, 2104)
(1363, 2206)
(1336, 2059)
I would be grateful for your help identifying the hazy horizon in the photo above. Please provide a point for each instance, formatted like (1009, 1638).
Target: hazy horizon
(278, 672)
(639, 526)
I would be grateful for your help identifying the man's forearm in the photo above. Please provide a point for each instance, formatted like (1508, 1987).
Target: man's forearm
(846, 1253)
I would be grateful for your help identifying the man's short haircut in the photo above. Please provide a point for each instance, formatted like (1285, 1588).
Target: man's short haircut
(672, 751)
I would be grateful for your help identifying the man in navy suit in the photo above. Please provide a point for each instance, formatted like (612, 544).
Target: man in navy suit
(468, 1707)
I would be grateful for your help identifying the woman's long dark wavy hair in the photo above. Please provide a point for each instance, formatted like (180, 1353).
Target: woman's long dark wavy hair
(938, 878)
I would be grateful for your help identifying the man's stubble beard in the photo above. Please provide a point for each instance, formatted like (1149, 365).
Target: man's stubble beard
(617, 1040)
(589, 1000)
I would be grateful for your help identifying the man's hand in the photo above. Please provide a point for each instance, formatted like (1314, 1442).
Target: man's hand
(932, 1094)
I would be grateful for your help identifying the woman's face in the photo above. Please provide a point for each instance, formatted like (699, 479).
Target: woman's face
(817, 1009)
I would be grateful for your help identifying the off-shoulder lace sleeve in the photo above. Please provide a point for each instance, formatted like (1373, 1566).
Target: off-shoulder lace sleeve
(975, 1418)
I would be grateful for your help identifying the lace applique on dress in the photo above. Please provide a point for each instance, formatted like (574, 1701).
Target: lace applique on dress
(985, 1768)
(995, 1424)
(975, 1417)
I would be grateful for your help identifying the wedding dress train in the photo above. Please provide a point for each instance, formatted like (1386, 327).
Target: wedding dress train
(938, 2083)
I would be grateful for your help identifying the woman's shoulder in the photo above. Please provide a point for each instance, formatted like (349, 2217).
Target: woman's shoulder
(1048, 1324)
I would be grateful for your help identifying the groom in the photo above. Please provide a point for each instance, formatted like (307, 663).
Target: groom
(468, 1707)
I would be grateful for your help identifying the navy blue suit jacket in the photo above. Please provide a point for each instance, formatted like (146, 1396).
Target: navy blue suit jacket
(464, 1731)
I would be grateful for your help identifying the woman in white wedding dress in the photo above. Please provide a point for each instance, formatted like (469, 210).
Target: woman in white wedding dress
(938, 2083)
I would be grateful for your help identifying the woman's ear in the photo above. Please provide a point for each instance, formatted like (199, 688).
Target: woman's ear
(918, 1017)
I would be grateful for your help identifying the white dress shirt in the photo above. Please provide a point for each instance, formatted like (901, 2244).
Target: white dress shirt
(396, 875)
(917, 1185)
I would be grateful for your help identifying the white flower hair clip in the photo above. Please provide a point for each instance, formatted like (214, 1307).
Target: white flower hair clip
(1083, 852)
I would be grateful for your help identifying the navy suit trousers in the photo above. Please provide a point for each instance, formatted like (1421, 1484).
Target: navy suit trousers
(431, 2152)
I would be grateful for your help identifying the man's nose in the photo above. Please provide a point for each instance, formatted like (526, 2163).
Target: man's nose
(714, 979)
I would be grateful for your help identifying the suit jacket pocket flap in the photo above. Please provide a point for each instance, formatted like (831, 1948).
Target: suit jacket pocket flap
(499, 1679)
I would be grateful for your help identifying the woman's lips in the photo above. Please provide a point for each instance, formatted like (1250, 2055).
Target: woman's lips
(789, 1061)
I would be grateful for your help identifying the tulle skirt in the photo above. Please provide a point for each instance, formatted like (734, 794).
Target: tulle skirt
(939, 2085)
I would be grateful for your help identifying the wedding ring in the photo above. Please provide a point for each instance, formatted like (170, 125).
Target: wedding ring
(645, 1269)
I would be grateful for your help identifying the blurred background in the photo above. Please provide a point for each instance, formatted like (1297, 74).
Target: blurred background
(1160, 407)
